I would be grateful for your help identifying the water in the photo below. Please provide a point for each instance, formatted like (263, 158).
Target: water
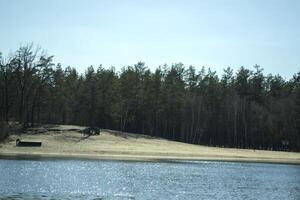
(81, 179)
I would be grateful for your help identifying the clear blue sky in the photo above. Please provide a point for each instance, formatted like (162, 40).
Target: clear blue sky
(211, 33)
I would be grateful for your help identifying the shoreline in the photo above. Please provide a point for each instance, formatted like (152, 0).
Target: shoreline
(140, 158)
(62, 142)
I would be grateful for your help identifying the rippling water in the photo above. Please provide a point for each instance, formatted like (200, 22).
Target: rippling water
(80, 179)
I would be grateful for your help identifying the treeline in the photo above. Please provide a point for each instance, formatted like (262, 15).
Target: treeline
(246, 109)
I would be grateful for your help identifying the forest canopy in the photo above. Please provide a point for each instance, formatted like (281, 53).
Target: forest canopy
(244, 109)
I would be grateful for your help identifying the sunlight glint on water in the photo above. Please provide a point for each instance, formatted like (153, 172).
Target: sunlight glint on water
(79, 179)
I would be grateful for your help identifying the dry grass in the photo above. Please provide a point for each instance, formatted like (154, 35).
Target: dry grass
(67, 142)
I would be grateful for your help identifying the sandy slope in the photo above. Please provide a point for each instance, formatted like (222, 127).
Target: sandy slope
(67, 142)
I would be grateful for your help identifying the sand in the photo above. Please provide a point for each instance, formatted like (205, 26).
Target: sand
(65, 142)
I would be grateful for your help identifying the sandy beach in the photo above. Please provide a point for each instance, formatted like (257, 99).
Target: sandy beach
(65, 142)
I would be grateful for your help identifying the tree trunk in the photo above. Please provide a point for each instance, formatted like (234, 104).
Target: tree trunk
(245, 122)
(6, 97)
(235, 121)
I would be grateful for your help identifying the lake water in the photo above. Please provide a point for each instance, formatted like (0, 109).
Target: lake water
(86, 179)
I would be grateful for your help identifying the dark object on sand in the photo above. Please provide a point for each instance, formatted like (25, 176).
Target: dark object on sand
(91, 131)
(20, 143)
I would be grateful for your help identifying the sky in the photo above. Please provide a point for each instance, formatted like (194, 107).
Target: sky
(210, 33)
